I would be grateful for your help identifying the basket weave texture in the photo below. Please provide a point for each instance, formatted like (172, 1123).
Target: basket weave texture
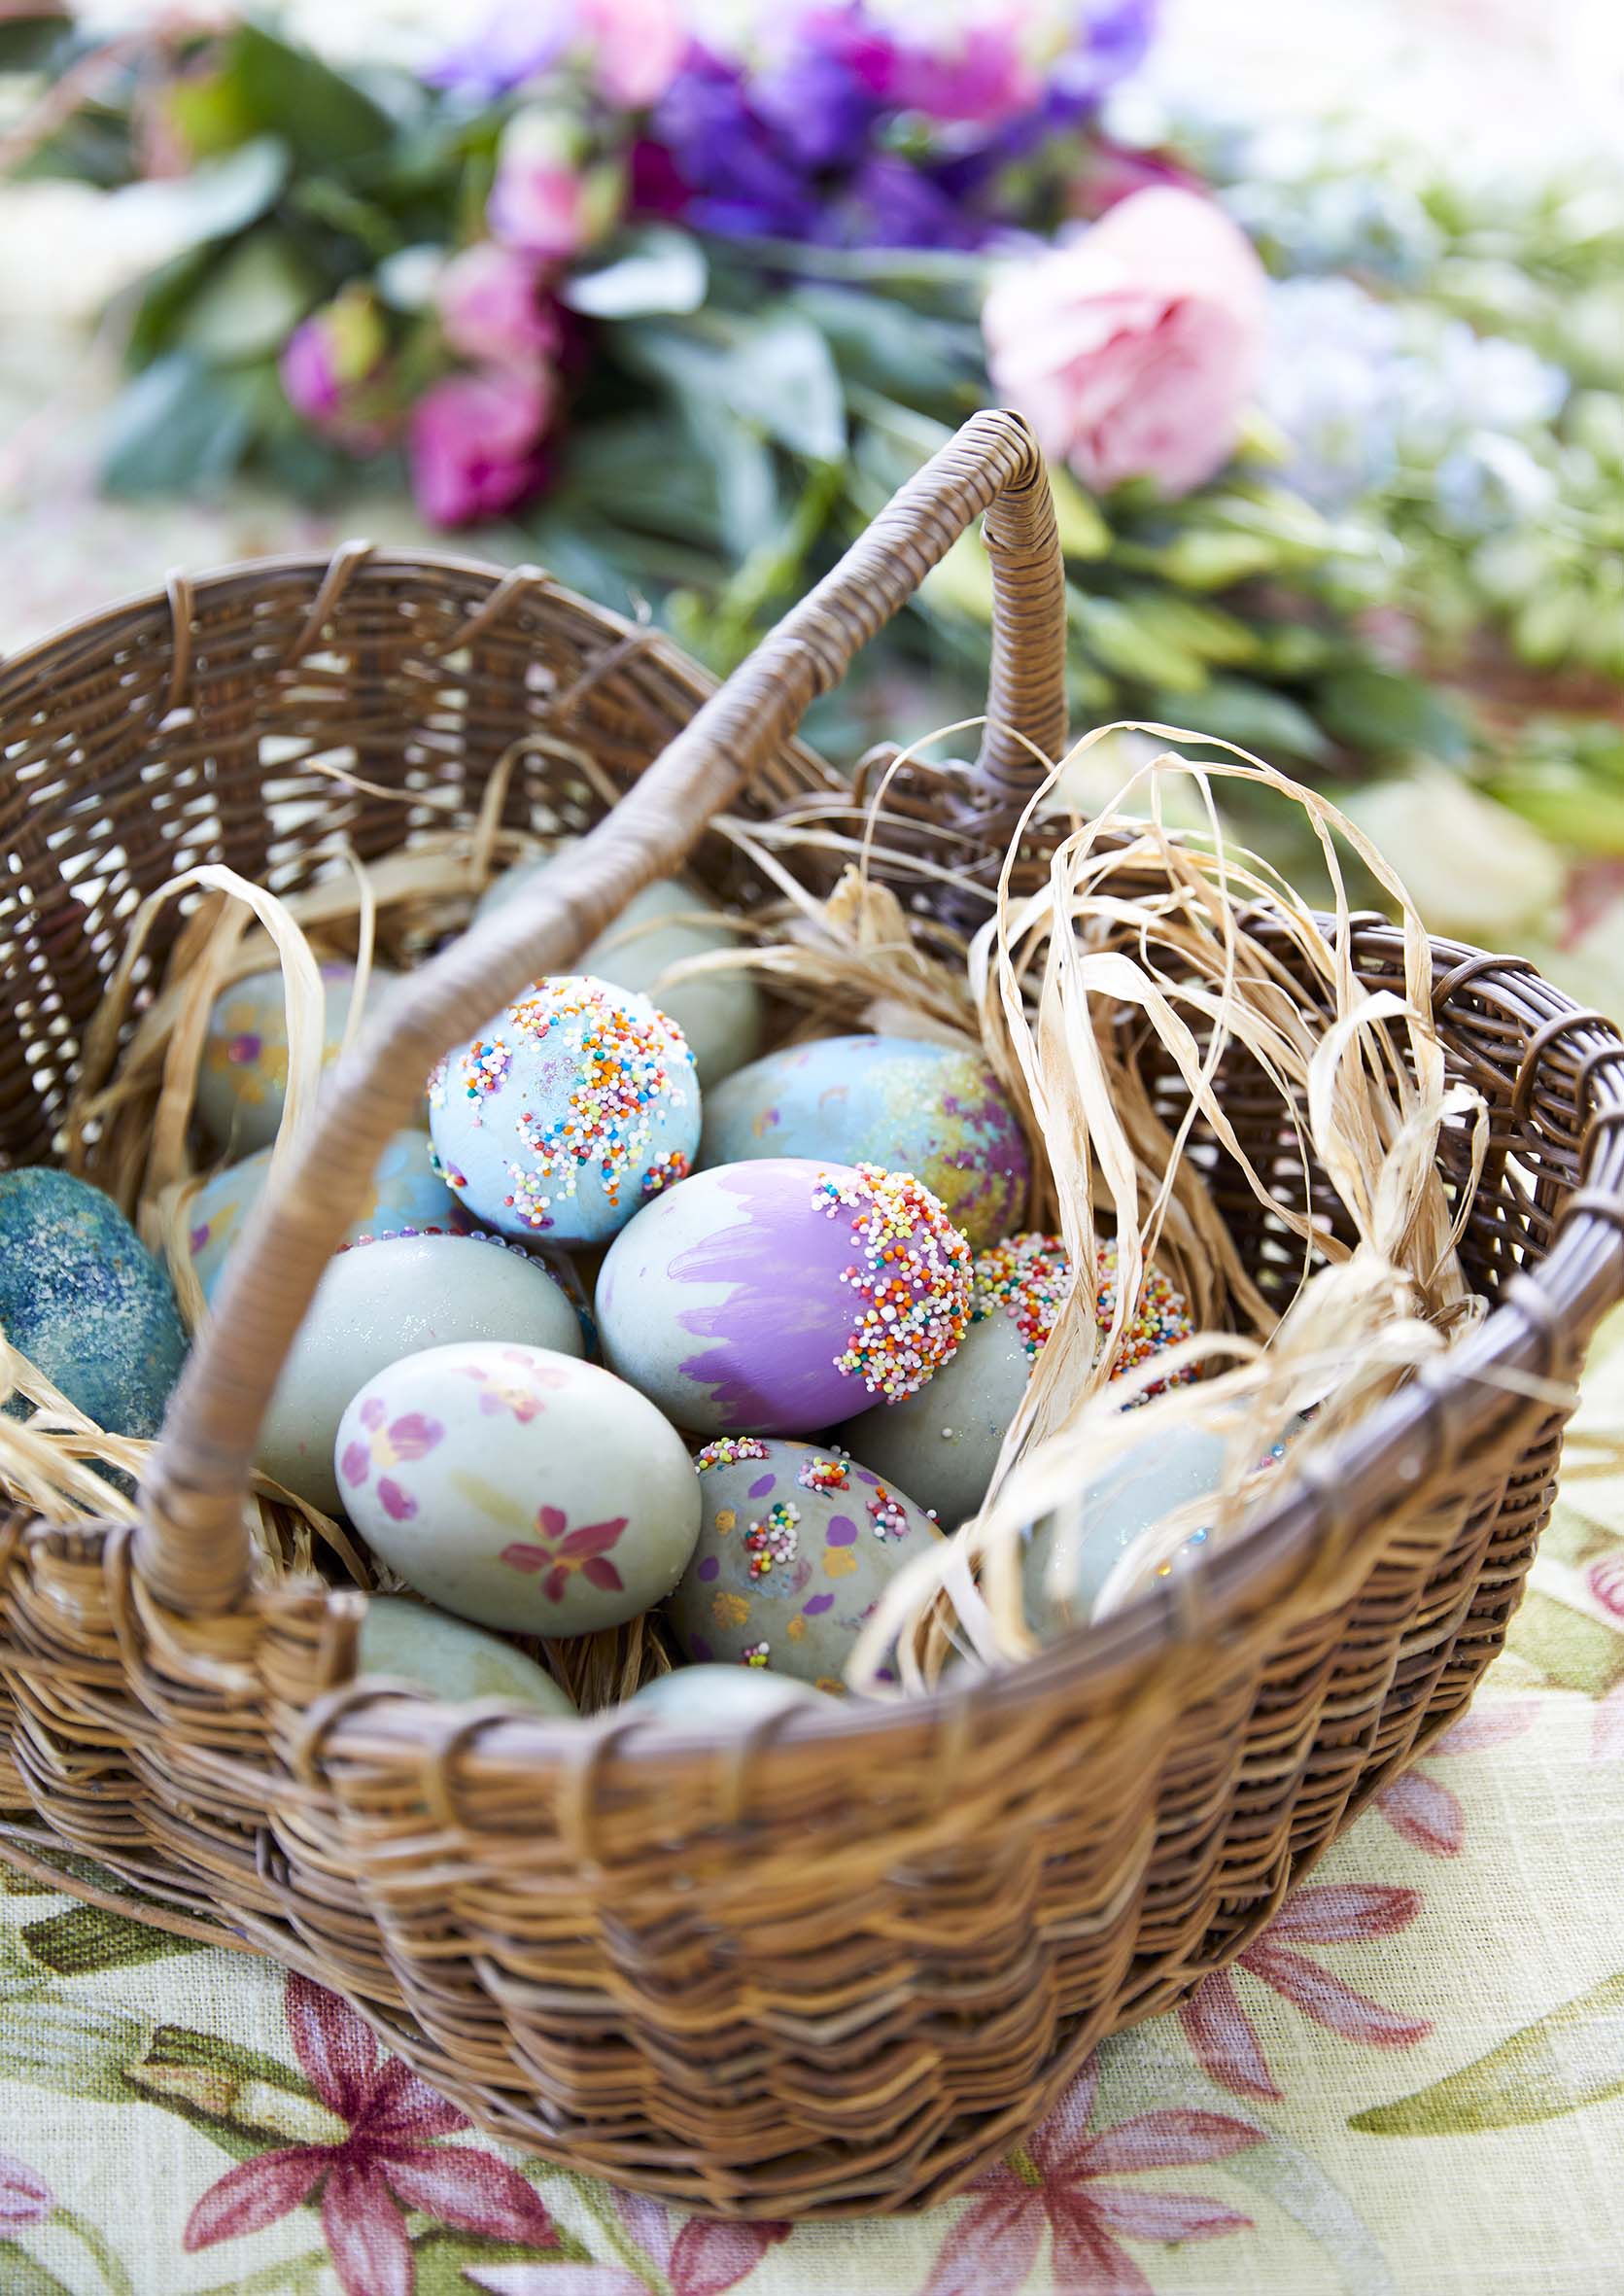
(837, 1967)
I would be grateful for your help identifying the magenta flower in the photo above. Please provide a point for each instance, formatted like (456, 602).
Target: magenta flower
(696, 2256)
(550, 200)
(985, 81)
(1428, 1813)
(474, 442)
(1215, 2021)
(387, 2164)
(1605, 1581)
(565, 1551)
(490, 306)
(25, 2198)
(331, 354)
(636, 47)
(1055, 2181)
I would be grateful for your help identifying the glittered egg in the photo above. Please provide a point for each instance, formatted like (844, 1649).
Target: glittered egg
(719, 1697)
(410, 1642)
(378, 1302)
(772, 1296)
(943, 1442)
(242, 1081)
(569, 1110)
(518, 1488)
(86, 1302)
(408, 1198)
(934, 1110)
(719, 1013)
(794, 1551)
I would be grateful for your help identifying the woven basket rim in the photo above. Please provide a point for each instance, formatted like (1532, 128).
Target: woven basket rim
(1384, 1458)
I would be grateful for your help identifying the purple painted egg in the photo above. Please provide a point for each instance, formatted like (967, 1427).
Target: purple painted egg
(783, 1296)
(795, 1548)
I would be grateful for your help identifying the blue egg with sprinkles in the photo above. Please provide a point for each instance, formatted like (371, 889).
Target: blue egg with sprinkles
(569, 1110)
(86, 1302)
(408, 1198)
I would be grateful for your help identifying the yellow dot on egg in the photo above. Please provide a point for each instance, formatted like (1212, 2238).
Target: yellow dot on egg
(730, 1610)
(724, 1520)
(797, 1628)
(838, 1561)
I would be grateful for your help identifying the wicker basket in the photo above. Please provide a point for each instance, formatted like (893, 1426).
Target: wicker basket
(841, 1966)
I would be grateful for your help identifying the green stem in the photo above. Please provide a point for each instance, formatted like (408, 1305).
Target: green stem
(107, 2261)
(276, 2279)
(615, 2242)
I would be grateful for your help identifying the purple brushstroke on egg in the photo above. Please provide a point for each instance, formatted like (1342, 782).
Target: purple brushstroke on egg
(699, 1648)
(762, 1485)
(818, 1603)
(841, 1531)
(710, 1567)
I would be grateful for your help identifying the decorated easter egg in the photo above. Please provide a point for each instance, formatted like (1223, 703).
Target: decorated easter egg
(242, 1082)
(378, 1302)
(934, 1110)
(410, 1642)
(943, 1442)
(795, 1548)
(719, 1013)
(408, 1198)
(518, 1487)
(719, 1697)
(569, 1110)
(772, 1297)
(84, 1300)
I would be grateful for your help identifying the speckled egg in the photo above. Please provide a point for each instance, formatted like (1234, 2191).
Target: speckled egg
(943, 1444)
(904, 1105)
(720, 1013)
(719, 1697)
(84, 1300)
(569, 1110)
(410, 1642)
(379, 1302)
(242, 1081)
(794, 1551)
(771, 1296)
(408, 1198)
(518, 1488)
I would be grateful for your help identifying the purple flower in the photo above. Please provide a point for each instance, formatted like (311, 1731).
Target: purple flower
(490, 306)
(475, 442)
(987, 82)
(632, 49)
(328, 358)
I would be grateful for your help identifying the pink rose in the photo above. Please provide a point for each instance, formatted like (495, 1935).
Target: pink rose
(638, 47)
(490, 306)
(474, 442)
(547, 201)
(1133, 349)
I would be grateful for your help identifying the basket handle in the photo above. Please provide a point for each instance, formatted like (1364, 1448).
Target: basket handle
(193, 1545)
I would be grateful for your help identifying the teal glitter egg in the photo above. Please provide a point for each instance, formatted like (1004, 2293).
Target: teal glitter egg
(86, 1302)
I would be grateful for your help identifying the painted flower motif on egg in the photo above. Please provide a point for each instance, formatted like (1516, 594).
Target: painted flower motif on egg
(771, 1296)
(569, 1110)
(795, 1549)
(518, 1488)
(408, 1198)
(935, 1110)
(242, 1082)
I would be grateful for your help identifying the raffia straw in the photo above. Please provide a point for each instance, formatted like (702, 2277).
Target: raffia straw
(1135, 921)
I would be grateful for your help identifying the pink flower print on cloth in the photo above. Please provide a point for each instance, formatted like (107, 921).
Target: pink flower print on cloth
(562, 1551)
(520, 1392)
(412, 1435)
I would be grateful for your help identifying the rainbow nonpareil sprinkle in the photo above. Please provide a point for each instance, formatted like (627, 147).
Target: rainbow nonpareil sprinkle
(774, 1539)
(913, 1278)
(728, 1450)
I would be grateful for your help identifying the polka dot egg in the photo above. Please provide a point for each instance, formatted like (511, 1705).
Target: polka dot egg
(935, 1110)
(408, 1198)
(518, 1487)
(794, 1551)
(242, 1082)
(569, 1110)
(772, 1297)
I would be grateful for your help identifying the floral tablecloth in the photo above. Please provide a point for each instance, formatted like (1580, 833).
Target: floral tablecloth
(1413, 2085)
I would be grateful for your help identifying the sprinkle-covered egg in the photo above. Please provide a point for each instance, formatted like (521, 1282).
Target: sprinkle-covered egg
(723, 1697)
(86, 1302)
(408, 1198)
(943, 1442)
(569, 1110)
(1143, 1485)
(934, 1110)
(378, 1302)
(794, 1549)
(719, 1013)
(242, 1081)
(772, 1297)
(518, 1488)
(411, 1642)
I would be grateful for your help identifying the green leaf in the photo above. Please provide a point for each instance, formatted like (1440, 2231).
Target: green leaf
(1257, 718)
(1213, 558)
(1559, 2064)
(879, 343)
(173, 426)
(1575, 1652)
(227, 194)
(1569, 807)
(659, 270)
(288, 91)
(746, 474)
(74, 1943)
(1384, 713)
(22, 2275)
(962, 581)
(775, 373)
(251, 303)
(31, 43)
(1125, 642)
(1084, 532)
